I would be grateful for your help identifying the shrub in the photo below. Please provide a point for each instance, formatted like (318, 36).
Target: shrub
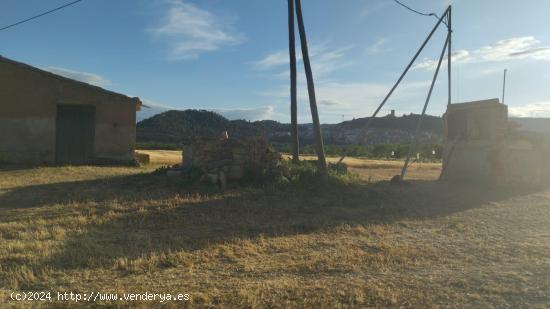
(305, 175)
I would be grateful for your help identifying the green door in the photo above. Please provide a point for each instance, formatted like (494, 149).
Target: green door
(75, 132)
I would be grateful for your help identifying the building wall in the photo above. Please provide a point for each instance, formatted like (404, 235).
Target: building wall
(485, 152)
(28, 108)
(515, 162)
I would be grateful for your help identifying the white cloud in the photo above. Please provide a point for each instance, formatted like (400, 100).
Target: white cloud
(357, 98)
(539, 53)
(459, 56)
(152, 108)
(89, 78)
(252, 114)
(323, 60)
(514, 48)
(329, 103)
(352, 99)
(327, 61)
(372, 8)
(273, 60)
(193, 31)
(334, 97)
(363, 96)
(157, 105)
(350, 94)
(538, 109)
(378, 47)
(504, 50)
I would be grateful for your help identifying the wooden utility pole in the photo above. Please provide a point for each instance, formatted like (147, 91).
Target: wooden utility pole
(449, 50)
(322, 163)
(504, 86)
(295, 146)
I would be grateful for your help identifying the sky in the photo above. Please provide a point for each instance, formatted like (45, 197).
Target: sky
(231, 56)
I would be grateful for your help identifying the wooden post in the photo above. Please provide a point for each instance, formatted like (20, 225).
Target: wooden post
(322, 163)
(449, 50)
(295, 144)
(504, 86)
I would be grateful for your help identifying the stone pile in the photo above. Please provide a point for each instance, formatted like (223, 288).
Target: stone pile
(232, 159)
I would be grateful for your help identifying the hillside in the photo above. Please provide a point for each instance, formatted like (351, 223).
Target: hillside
(177, 126)
(537, 125)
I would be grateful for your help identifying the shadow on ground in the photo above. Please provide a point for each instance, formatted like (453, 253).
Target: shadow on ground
(123, 188)
(155, 215)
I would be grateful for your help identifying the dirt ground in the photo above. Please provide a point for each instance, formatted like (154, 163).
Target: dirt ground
(365, 244)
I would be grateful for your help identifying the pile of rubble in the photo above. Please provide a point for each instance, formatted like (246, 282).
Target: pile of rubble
(227, 159)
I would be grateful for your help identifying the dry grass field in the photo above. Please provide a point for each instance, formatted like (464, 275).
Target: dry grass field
(168, 157)
(382, 170)
(357, 245)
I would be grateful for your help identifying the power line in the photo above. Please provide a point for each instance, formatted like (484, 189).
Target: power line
(418, 12)
(40, 15)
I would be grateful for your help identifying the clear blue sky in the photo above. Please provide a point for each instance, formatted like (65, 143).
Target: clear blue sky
(231, 55)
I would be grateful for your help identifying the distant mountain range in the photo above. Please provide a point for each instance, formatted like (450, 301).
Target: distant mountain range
(177, 126)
